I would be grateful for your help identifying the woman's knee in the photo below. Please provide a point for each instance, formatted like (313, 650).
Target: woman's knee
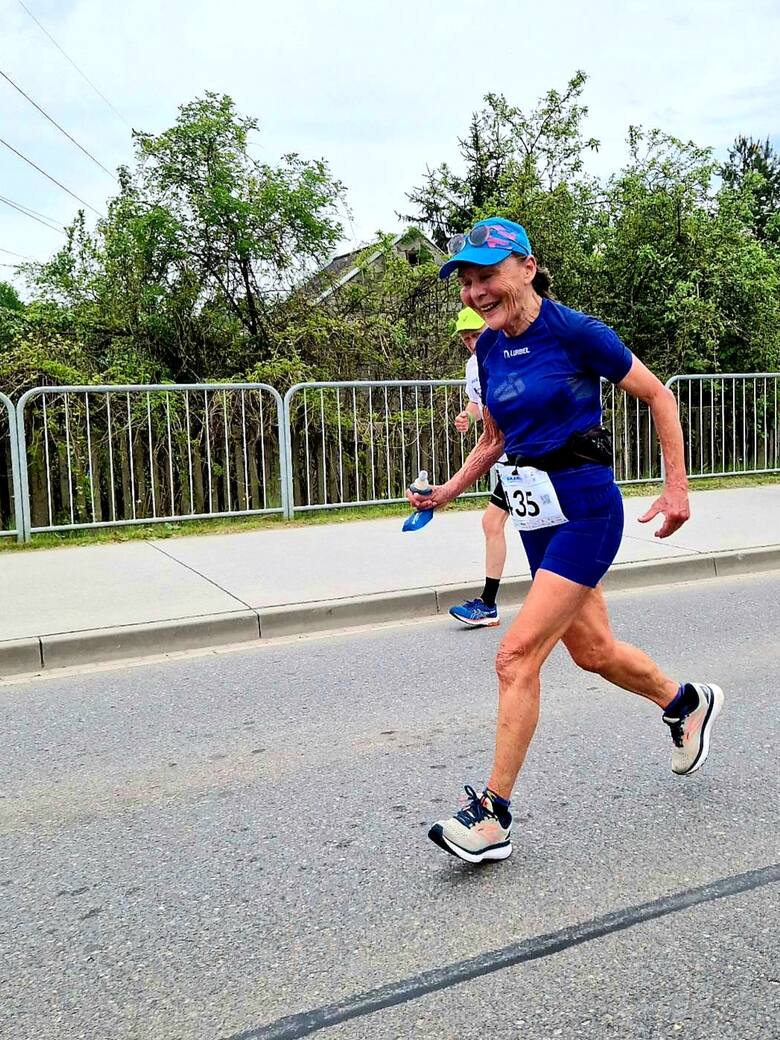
(592, 655)
(493, 521)
(516, 659)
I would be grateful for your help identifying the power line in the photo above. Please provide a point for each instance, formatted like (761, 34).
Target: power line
(49, 176)
(73, 63)
(10, 252)
(48, 222)
(55, 123)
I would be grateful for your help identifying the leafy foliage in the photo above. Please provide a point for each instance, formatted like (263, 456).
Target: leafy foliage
(204, 267)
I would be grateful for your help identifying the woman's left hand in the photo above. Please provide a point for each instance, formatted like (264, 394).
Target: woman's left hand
(673, 503)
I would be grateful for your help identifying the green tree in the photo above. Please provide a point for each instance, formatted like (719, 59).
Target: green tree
(184, 275)
(754, 167)
(675, 272)
(9, 298)
(506, 154)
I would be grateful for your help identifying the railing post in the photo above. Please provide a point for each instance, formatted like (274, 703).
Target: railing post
(16, 485)
(23, 518)
(285, 441)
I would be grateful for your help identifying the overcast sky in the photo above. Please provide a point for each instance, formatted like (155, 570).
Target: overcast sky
(379, 88)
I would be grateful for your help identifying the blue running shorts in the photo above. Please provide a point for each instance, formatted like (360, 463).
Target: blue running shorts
(583, 548)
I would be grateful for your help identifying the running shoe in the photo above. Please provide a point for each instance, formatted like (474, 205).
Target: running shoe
(476, 613)
(475, 833)
(691, 732)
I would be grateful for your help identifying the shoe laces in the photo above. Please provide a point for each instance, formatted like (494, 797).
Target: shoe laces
(475, 810)
(677, 728)
(474, 604)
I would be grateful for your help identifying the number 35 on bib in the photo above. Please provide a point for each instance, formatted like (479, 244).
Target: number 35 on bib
(531, 496)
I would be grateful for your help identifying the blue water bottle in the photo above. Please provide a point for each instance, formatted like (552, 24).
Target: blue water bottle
(420, 517)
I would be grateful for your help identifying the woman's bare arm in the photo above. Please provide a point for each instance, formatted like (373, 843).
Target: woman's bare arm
(485, 453)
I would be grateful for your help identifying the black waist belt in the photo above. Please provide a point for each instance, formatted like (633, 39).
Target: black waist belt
(581, 449)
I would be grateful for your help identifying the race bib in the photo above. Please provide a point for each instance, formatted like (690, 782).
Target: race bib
(531, 497)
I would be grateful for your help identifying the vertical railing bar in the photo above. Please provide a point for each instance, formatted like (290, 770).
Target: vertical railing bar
(46, 455)
(406, 480)
(755, 423)
(463, 435)
(744, 426)
(67, 453)
(189, 449)
(172, 510)
(207, 424)
(733, 425)
(227, 452)
(690, 449)
(151, 452)
(447, 429)
(766, 428)
(371, 440)
(247, 501)
(306, 442)
(130, 442)
(638, 470)
(341, 455)
(110, 456)
(262, 451)
(712, 426)
(417, 423)
(723, 424)
(89, 458)
(357, 450)
(324, 456)
(387, 443)
(433, 443)
(701, 425)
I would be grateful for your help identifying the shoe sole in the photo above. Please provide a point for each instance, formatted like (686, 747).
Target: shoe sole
(495, 852)
(486, 623)
(716, 706)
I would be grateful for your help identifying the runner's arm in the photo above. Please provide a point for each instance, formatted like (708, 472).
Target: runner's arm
(485, 453)
(673, 502)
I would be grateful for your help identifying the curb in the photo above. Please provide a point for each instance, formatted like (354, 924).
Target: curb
(66, 649)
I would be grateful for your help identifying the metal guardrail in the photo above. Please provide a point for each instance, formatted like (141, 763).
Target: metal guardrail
(731, 422)
(103, 456)
(363, 443)
(110, 456)
(10, 478)
(636, 451)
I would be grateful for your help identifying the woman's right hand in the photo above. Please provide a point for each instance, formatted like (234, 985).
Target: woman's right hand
(462, 422)
(441, 495)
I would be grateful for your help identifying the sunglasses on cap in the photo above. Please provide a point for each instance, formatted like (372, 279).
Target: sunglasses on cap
(494, 236)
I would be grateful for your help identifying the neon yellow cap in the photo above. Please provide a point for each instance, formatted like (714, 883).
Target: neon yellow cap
(469, 321)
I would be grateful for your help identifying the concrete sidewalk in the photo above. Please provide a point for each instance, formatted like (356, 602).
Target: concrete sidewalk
(60, 607)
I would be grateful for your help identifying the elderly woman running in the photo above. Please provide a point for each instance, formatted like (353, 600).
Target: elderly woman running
(540, 366)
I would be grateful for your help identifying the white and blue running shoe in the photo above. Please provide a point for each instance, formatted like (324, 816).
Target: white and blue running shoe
(476, 613)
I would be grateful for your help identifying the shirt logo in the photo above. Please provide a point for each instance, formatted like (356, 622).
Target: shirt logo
(518, 351)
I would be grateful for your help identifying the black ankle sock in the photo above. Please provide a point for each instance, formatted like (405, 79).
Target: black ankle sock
(685, 701)
(490, 591)
(501, 806)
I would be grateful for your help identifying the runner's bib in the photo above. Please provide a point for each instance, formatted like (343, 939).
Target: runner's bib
(531, 496)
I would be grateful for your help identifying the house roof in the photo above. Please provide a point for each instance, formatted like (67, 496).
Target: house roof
(344, 267)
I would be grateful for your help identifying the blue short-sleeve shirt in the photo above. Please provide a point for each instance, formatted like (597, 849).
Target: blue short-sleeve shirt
(544, 385)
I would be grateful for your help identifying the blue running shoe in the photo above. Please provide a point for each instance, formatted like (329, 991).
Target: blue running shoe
(477, 614)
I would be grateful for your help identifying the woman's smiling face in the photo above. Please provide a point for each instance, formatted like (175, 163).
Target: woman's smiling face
(498, 293)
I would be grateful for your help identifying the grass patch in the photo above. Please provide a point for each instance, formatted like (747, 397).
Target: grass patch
(234, 525)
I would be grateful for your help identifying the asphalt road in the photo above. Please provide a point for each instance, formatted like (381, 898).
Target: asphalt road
(233, 845)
